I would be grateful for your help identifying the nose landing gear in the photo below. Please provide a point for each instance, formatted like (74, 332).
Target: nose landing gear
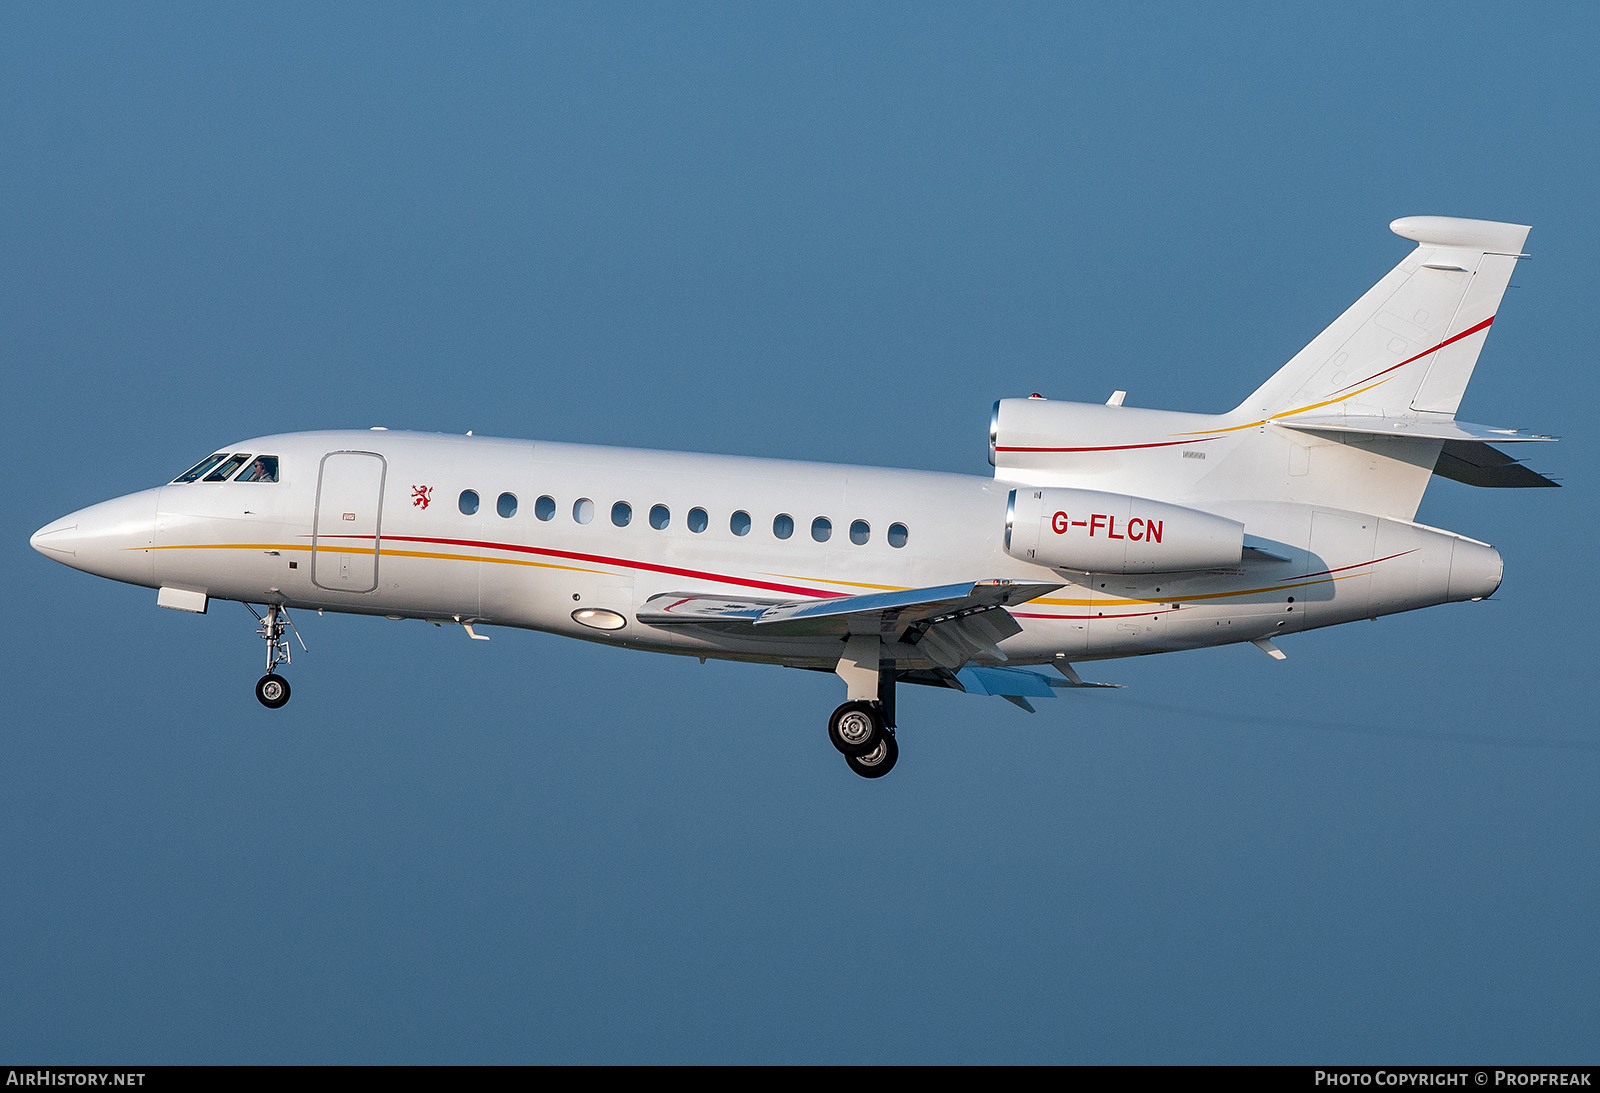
(272, 690)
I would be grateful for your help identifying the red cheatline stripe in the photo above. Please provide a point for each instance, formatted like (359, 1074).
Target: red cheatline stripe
(1098, 618)
(796, 590)
(1110, 447)
(1358, 565)
(1419, 356)
(799, 590)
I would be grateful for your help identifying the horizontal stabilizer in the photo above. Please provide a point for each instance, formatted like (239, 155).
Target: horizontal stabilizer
(1479, 464)
(1414, 428)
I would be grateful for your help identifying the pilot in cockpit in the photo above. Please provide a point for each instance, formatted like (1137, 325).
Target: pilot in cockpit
(264, 469)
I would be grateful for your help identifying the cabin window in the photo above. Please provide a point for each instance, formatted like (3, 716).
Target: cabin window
(201, 467)
(698, 520)
(583, 510)
(507, 505)
(783, 525)
(231, 464)
(621, 514)
(821, 529)
(263, 468)
(469, 502)
(860, 532)
(739, 523)
(545, 508)
(660, 517)
(898, 535)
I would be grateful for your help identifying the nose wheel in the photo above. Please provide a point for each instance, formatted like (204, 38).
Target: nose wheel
(272, 690)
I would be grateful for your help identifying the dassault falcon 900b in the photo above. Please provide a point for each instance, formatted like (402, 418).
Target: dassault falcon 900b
(1106, 531)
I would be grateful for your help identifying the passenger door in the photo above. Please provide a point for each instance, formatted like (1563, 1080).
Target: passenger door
(346, 532)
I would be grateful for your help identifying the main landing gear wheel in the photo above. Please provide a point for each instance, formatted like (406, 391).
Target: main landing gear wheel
(877, 762)
(272, 690)
(856, 728)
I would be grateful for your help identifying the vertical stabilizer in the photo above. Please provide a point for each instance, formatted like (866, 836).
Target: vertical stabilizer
(1408, 346)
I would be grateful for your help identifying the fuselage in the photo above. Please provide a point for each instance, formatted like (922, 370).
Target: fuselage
(552, 537)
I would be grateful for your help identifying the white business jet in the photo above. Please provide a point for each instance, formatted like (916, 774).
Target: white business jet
(1106, 531)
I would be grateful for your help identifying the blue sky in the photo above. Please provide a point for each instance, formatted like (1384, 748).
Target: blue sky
(818, 231)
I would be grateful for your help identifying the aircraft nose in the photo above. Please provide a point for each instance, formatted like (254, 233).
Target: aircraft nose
(1475, 570)
(111, 539)
(57, 539)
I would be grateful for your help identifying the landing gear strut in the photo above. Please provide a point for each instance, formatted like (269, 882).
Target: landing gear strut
(863, 728)
(272, 690)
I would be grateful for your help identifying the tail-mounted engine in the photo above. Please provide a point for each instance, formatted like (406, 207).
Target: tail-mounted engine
(1095, 532)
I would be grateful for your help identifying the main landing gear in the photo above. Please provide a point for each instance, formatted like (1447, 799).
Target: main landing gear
(860, 732)
(863, 728)
(272, 690)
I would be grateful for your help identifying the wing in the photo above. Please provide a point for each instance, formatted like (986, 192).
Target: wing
(949, 625)
(952, 623)
(1015, 685)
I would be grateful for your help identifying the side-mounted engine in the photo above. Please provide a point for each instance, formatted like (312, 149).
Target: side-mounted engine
(1095, 532)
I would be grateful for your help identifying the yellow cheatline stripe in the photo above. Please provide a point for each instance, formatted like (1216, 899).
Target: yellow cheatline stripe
(846, 584)
(1287, 413)
(1052, 601)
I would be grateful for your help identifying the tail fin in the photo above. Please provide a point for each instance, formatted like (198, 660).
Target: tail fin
(1407, 348)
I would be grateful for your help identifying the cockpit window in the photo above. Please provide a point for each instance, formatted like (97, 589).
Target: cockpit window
(229, 465)
(263, 468)
(201, 467)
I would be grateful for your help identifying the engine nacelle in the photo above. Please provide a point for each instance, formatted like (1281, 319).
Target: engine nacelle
(1095, 532)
